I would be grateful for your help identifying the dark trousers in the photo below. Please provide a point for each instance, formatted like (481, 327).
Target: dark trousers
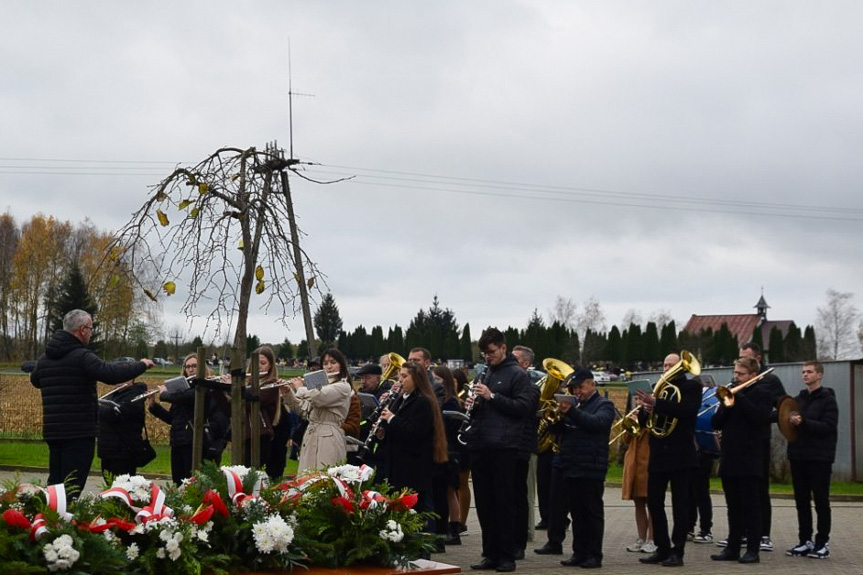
(584, 500)
(657, 483)
(743, 498)
(557, 508)
(543, 483)
(811, 480)
(521, 511)
(440, 502)
(71, 458)
(494, 490)
(115, 466)
(278, 456)
(764, 492)
(181, 462)
(701, 505)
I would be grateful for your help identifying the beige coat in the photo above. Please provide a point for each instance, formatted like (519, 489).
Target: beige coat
(325, 409)
(635, 465)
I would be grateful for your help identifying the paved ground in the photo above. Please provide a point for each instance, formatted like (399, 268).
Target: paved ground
(846, 543)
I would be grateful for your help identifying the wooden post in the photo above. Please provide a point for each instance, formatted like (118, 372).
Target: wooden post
(200, 415)
(255, 414)
(238, 413)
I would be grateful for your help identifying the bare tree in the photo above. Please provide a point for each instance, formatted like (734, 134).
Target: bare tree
(835, 326)
(563, 312)
(661, 318)
(591, 317)
(632, 316)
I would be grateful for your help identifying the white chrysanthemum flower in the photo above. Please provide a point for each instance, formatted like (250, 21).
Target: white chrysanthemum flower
(50, 554)
(393, 532)
(160, 553)
(109, 537)
(60, 553)
(274, 534)
(132, 552)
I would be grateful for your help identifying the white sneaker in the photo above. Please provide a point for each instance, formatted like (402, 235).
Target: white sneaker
(821, 552)
(635, 547)
(704, 538)
(801, 550)
(766, 544)
(649, 547)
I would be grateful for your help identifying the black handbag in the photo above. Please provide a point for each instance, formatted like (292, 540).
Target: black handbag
(146, 453)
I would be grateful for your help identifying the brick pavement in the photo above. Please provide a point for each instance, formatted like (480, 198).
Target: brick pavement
(846, 542)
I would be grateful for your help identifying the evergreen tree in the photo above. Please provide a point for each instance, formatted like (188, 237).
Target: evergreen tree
(776, 349)
(344, 344)
(377, 346)
(433, 329)
(512, 337)
(396, 341)
(757, 337)
(614, 349)
(809, 349)
(303, 350)
(160, 349)
(72, 294)
(253, 342)
(650, 344)
(725, 346)
(286, 350)
(632, 345)
(534, 337)
(327, 321)
(465, 350)
(793, 344)
(668, 342)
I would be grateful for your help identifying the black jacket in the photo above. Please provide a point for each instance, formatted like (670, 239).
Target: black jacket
(529, 437)
(67, 374)
(677, 451)
(121, 423)
(499, 423)
(409, 443)
(816, 435)
(181, 415)
(742, 426)
(584, 441)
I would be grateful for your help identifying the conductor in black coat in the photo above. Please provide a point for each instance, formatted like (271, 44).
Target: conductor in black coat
(121, 423)
(413, 437)
(742, 419)
(673, 460)
(66, 374)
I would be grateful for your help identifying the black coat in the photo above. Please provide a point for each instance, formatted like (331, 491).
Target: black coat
(121, 423)
(677, 451)
(529, 438)
(816, 435)
(181, 415)
(499, 423)
(409, 443)
(66, 374)
(742, 426)
(584, 441)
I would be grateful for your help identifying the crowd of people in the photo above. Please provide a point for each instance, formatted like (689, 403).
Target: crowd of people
(430, 430)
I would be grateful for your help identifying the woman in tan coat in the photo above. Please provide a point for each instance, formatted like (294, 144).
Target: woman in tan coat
(326, 410)
(634, 487)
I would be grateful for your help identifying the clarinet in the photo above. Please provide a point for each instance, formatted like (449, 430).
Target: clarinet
(465, 426)
(375, 418)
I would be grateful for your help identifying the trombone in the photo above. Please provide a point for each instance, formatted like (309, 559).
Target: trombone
(628, 424)
(726, 391)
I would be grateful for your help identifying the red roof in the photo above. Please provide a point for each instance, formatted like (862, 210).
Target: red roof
(740, 325)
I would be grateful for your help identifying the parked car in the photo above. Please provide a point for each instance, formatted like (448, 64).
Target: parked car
(161, 361)
(124, 359)
(28, 366)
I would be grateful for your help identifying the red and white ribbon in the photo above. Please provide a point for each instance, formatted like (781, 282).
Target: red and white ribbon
(156, 509)
(235, 487)
(55, 496)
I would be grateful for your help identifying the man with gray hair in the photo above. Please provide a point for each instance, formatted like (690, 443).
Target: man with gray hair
(66, 374)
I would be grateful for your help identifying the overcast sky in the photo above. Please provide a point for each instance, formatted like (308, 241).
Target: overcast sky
(656, 155)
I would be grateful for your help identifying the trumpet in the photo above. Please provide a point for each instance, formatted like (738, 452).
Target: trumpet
(471, 395)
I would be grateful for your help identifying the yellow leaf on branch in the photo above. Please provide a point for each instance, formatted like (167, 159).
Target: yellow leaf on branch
(311, 282)
(170, 288)
(163, 219)
(185, 204)
(259, 287)
(203, 188)
(259, 273)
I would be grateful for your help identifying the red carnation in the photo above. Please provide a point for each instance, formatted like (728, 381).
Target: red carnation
(213, 498)
(344, 503)
(15, 518)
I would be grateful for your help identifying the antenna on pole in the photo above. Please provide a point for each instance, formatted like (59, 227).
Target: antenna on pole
(291, 95)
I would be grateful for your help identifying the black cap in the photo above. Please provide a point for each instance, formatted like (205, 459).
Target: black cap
(579, 376)
(370, 368)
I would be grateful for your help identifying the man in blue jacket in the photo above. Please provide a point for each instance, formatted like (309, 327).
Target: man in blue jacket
(66, 374)
(584, 459)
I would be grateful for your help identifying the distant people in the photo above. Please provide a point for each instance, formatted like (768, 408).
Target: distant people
(121, 423)
(811, 458)
(423, 356)
(370, 380)
(66, 375)
(325, 409)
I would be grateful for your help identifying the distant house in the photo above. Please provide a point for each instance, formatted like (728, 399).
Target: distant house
(741, 325)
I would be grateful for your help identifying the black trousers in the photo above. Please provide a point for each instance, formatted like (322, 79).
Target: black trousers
(557, 507)
(181, 462)
(764, 492)
(521, 511)
(657, 483)
(700, 504)
(494, 491)
(118, 466)
(584, 500)
(71, 458)
(543, 483)
(440, 502)
(743, 498)
(811, 480)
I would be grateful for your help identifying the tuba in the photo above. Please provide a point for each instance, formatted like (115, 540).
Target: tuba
(556, 371)
(396, 363)
(662, 425)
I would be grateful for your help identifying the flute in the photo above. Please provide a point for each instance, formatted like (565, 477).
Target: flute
(180, 383)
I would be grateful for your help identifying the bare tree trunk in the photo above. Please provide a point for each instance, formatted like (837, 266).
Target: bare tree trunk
(199, 420)
(255, 414)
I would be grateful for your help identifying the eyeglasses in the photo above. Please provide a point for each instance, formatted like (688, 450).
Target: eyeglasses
(491, 352)
(87, 327)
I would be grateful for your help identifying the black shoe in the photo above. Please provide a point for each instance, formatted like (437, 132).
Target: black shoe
(591, 563)
(462, 528)
(573, 561)
(750, 557)
(484, 565)
(541, 525)
(453, 537)
(672, 561)
(519, 555)
(505, 567)
(653, 558)
(439, 546)
(549, 549)
(726, 555)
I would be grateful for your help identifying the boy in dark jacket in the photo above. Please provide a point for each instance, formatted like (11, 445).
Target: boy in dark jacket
(811, 458)
(121, 423)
